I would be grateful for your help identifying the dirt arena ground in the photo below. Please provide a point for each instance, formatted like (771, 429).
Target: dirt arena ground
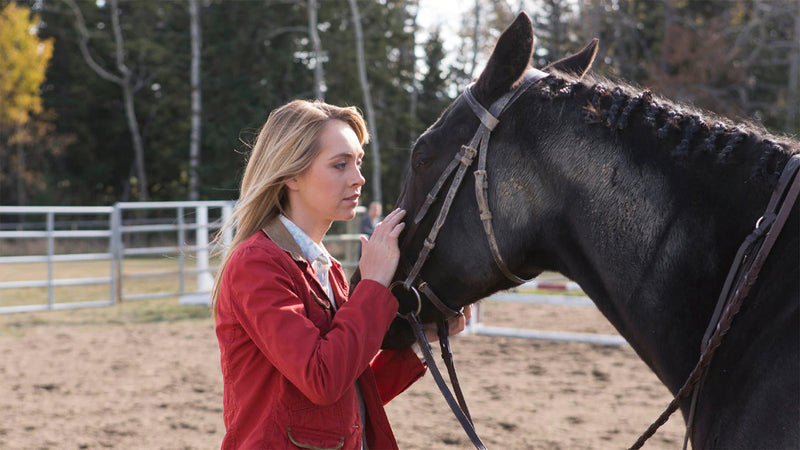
(73, 381)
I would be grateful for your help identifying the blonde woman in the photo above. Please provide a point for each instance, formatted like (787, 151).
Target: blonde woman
(300, 361)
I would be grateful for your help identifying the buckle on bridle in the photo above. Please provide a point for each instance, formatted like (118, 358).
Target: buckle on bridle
(413, 290)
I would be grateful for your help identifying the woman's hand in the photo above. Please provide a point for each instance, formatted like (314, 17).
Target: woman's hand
(454, 326)
(380, 253)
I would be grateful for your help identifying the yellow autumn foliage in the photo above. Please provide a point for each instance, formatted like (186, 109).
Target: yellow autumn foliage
(23, 62)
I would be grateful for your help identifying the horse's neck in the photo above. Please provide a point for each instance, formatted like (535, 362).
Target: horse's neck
(652, 248)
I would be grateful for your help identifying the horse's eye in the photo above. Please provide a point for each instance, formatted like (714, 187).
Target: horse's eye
(418, 159)
(420, 163)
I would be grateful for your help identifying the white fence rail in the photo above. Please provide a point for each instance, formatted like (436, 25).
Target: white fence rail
(113, 229)
(130, 243)
(476, 325)
(50, 257)
(122, 236)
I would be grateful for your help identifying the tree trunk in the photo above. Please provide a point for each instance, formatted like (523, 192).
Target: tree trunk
(124, 80)
(669, 18)
(476, 24)
(792, 126)
(197, 102)
(316, 45)
(371, 121)
(136, 137)
(22, 198)
(414, 94)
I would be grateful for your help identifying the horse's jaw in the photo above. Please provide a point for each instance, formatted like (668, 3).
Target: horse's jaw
(399, 335)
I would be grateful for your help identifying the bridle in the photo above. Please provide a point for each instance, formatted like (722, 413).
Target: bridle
(457, 168)
(463, 160)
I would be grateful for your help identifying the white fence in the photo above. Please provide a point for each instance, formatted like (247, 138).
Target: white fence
(127, 238)
(114, 235)
(50, 234)
(476, 325)
(129, 243)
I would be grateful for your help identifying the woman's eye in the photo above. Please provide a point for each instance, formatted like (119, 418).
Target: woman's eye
(339, 166)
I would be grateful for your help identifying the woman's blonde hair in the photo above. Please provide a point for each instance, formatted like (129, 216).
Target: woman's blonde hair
(285, 148)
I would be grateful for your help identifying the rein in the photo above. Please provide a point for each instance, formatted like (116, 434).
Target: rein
(742, 275)
(463, 160)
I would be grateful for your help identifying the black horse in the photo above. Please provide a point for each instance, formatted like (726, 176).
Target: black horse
(641, 201)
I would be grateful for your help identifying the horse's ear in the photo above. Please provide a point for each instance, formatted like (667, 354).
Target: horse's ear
(577, 64)
(509, 60)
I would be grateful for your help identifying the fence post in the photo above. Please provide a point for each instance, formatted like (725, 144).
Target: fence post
(116, 254)
(51, 249)
(181, 251)
(204, 279)
(227, 238)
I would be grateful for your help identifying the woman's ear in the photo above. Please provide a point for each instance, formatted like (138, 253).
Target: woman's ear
(291, 184)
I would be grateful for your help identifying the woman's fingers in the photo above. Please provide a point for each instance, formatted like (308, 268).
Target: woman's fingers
(467, 312)
(380, 253)
(391, 221)
(395, 233)
(455, 325)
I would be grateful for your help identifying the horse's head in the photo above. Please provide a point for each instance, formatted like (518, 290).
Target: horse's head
(455, 248)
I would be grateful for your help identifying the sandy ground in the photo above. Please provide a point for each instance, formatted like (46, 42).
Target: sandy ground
(158, 385)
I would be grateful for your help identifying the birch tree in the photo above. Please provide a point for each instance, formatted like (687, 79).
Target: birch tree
(197, 101)
(316, 46)
(792, 124)
(127, 80)
(374, 145)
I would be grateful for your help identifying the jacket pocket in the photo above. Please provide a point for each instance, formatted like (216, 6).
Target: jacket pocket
(314, 439)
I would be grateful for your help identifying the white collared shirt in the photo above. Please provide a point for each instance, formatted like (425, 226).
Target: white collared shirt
(315, 253)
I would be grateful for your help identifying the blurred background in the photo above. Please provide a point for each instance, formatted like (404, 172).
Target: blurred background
(104, 101)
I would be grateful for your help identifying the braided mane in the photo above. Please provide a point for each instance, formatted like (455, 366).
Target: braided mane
(699, 133)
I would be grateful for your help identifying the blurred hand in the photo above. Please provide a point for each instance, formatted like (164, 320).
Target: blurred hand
(454, 326)
(380, 253)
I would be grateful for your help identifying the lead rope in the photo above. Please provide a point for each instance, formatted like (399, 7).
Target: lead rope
(425, 347)
(447, 356)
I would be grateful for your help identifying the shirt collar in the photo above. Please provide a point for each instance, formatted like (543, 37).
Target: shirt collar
(311, 250)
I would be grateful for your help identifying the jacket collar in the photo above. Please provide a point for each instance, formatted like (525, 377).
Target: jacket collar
(277, 232)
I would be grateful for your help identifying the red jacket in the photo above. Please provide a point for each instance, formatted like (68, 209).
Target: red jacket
(290, 362)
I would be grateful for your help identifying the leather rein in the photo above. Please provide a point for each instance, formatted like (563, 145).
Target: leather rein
(463, 160)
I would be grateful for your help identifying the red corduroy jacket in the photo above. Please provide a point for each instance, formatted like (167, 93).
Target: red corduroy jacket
(290, 362)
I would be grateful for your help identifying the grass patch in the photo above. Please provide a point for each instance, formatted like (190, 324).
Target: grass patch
(163, 279)
(125, 312)
(144, 311)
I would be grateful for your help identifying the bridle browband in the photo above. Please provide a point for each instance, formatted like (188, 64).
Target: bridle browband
(463, 160)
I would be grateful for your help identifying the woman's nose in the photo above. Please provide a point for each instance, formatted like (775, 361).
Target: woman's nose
(359, 180)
